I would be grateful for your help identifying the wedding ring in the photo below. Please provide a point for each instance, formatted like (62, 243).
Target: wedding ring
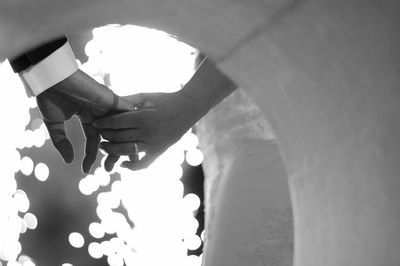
(136, 147)
(137, 106)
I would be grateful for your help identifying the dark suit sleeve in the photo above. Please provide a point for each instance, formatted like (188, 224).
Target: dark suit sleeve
(32, 57)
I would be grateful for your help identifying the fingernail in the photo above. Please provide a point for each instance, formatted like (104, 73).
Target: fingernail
(67, 160)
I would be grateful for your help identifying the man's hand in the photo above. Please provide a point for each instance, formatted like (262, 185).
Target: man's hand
(78, 95)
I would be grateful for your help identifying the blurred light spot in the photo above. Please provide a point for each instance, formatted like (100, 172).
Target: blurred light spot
(67, 264)
(116, 243)
(110, 49)
(39, 138)
(28, 139)
(14, 158)
(85, 187)
(24, 227)
(32, 102)
(112, 200)
(28, 263)
(42, 172)
(96, 230)
(12, 250)
(76, 240)
(13, 263)
(26, 165)
(203, 235)
(190, 141)
(103, 178)
(193, 242)
(106, 247)
(31, 220)
(194, 157)
(115, 260)
(45, 131)
(21, 200)
(191, 225)
(193, 260)
(103, 211)
(117, 187)
(95, 250)
(191, 201)
(101, 197)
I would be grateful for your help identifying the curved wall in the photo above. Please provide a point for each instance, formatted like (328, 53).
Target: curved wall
(325, 73)
(248, 214)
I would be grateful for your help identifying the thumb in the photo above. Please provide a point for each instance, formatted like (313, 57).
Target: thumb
(121, 104)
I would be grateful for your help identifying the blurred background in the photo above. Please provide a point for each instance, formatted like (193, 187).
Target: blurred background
(53, 214)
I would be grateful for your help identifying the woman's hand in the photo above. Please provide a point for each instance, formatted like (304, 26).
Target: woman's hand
(162, 118)
(158, 121)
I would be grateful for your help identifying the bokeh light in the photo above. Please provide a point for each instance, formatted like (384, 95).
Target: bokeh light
(76, 240)
(42, 172)
(14, 202)
(194, 157)
(126, 59)
(27, 165)
(96, 230)
(31, 220)
(148, 53)
(95, 250)
(21, 200)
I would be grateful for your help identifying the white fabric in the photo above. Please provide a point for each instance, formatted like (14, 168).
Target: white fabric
(50, 71)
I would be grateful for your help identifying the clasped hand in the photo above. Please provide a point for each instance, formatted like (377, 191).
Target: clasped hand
(159, 121)
(147, 122)
(77, 95)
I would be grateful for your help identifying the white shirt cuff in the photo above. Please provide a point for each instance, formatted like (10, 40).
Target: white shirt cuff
(53, 69)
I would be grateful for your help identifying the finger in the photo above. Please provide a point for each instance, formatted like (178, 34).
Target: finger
(126, 148)
(145, 162)
(121, 135)
(91, 147)
(60, 140)
(134, 157)
(110, 162)
(132, 119)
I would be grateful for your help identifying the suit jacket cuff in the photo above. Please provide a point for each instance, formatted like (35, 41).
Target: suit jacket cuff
(53, 69)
